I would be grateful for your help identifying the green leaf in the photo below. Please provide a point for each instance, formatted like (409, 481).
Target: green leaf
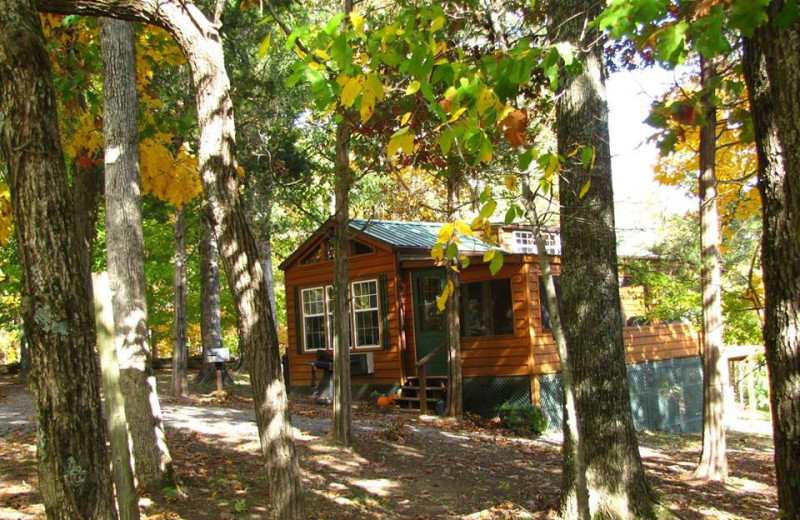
(587, 156)
(334, 23)
(671, 46)
(711, 39)
(452, 251)
(496, 264)
(788, 14)
(446, 141)
(564, 50)
(511, 214)
(413, 87)
(488, 209)
(263, 49)
(526, 159)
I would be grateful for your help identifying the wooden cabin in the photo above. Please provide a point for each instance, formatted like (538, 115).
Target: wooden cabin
(508, 353)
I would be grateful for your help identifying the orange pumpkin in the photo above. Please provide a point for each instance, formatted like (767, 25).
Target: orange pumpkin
(394, 397)
(384, 401)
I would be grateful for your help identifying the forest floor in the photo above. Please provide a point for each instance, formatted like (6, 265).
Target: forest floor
(401, 466)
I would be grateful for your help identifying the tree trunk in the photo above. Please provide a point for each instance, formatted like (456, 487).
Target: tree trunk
(201, 44)
(210, 319)
(713, 463)
(85, 190)
(342, 399)
(265, 255)
(593, 322)
(576, 456)
(180, 385)
(773, 79)
(125, 488)
(24, 353)
(125, 247)
(455, 383)
(74, 477)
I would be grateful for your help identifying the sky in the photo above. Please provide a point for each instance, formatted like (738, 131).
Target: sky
(641, 203)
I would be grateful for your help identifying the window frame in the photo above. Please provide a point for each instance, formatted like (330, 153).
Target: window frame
(511, 304)
(327, 316)
(323, 315)
(520, 245)
(376, 310)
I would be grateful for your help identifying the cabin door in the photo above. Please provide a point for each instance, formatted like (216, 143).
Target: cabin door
(430, 325)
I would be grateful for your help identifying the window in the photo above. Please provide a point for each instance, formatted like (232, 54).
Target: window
(314, 318)
(524, 242)
(365, 314)
(359, 248)
(486, 309)
(318, 320)
(543, 301)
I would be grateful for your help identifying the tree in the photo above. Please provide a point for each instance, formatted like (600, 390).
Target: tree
(200, 42)
(713, 463)
(125, 260)
(593, 325)
(773, 79)
(74, 474)
(210, 319)
(180, 384)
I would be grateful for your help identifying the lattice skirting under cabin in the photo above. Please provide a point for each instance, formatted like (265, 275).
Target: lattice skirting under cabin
(483, 395)
(665, 395)
(361, 392)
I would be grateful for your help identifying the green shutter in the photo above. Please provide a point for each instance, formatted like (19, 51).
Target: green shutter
(298, 330)
(384, 295)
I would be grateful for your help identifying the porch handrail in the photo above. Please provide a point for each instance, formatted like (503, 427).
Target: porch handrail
(423, 385)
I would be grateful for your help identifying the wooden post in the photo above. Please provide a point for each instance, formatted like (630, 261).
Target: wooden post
(219, 381)
(423, 391)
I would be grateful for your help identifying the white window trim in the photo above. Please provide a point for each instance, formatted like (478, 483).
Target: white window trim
(377, 308)
(304, 316)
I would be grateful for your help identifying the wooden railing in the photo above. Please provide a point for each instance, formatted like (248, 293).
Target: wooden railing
(423, 386)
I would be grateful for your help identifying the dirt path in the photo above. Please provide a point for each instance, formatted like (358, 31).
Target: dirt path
(399, 467)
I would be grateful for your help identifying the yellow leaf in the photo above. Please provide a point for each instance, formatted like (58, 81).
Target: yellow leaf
(553, 165)
(445, 232)
(413, 87)
(319, 53)
(442, 299)
(351, 90)
(401, 142)
(358, 23)
(463, 228)
(511, 182)
(457, 114)
(437, 23)
(437, 253)
(585, 188)
(575, 151)
(263, 49)
(486, 100)
(405, 118)
(373, 84)
(488, 255)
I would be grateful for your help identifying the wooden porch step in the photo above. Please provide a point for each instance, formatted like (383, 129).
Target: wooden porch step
(429, 388)
(417, 399)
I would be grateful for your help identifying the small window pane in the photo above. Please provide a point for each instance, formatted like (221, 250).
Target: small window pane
(365, 313)
(315, 332)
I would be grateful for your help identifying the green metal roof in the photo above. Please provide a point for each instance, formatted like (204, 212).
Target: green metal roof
(413, 235)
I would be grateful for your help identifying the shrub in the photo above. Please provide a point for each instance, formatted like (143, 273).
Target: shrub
(527, 417)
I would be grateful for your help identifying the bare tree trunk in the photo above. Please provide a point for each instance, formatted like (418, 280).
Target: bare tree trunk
(713, 463)
(125, 246)
(210, 318)
(342, 399)
(575, 458)
(592, 321)
(455, 383)
(773, 80)
(201, 44)
(86, 189)
(180, 385)
(127, 499)
(74, 477)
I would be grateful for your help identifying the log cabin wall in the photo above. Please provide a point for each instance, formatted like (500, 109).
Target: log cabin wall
(362, 267)
(642, 343)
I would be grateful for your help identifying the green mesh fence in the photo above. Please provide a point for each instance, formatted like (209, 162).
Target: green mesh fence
(482, 395)
(665, 395)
